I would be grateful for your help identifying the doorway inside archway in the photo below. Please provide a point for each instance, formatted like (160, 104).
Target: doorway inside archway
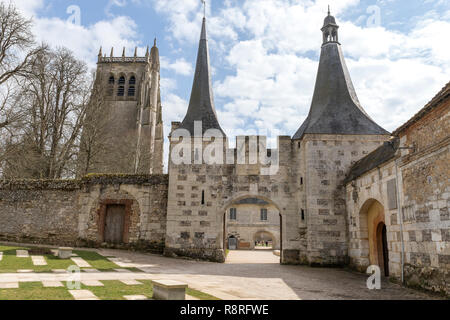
(252, 225)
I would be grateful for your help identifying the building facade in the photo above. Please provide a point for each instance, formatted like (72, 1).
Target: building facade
(341, 191)
(127, 135)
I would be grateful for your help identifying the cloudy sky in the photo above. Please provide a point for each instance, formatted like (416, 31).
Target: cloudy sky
(264, 53)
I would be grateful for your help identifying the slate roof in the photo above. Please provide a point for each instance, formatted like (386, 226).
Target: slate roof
(374, 159)
(335, 108)
(201, 105)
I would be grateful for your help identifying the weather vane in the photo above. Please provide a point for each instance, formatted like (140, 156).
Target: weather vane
(204, 8)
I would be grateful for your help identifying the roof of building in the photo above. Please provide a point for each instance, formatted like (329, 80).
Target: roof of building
(443, 94)
(201, 105)
(374, 159)
(335, 108)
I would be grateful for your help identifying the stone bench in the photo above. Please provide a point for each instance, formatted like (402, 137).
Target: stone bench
(64, 252)
(169, 290)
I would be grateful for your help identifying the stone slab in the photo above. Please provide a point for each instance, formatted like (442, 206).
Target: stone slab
(92, 283)
(59, 270)
(22, 254)
(9, 285)
(169, 290)
(52, 284)
(136, 297)
(38, 260)
(83, 295)
(91, 270)
(131, 282)
(81, 262)
(1, 256)
(24, 271)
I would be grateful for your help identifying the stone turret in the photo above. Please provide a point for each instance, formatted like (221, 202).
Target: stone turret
(335, 108)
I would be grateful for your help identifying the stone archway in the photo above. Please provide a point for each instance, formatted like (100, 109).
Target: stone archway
(374, 234)
(263, 208)
(266, 236)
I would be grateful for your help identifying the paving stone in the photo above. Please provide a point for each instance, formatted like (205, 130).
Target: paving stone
(83, 295)
(91, 270)
(136, 297)
(123, 270)
(59, 270)
(9, 285)
(1, 256)
(52, 284)
(24, 271)
(92, 283)
(81, 262)
(38, 260)
(22, 253)
(131, 282)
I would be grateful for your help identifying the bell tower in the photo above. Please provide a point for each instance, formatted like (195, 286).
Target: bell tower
(330, 29)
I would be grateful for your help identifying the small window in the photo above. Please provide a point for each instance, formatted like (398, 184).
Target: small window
(303, 214)
(301, 180)
(121, 89)
(111, 80)
(233, 214)
(263, 214)
(132, 87)
(203, 196)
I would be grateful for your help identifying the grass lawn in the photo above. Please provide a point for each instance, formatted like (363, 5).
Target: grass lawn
(113, 290)
(11, 263)
(35, 291)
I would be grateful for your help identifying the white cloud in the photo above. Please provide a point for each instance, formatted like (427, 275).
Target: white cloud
(179, 66)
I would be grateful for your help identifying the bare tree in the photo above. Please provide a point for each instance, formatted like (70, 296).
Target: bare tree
(16, 51)
(55, 96)
(95, 139)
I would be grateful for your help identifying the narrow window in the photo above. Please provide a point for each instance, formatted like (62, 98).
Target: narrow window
(111, 82)
(233, 214)
(303, 215)
(121, 89)
(301, 180)
(203, 196)
(132, 87)
(263, 214)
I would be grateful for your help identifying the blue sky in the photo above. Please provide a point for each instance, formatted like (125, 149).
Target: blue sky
(264, 53)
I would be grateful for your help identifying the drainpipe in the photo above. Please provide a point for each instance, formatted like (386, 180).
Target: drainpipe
(401, 220)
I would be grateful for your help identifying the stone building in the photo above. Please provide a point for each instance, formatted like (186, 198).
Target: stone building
(129, 134)
(398, 201)
(307, 187)
(341, 191)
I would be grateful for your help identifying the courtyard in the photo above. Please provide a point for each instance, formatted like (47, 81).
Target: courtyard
(108, 274)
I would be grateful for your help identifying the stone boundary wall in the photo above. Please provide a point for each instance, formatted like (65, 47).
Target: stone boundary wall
(51, 211)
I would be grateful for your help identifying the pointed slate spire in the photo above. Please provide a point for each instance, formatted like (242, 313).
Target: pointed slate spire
(335, 108)
(201, 104)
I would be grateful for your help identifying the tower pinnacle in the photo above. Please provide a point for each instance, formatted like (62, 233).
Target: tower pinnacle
(201, 104)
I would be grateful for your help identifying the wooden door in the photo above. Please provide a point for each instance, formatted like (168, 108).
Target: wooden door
(114, 223)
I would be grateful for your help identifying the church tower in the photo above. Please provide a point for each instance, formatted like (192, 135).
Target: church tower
(336, 133)
(124, 131)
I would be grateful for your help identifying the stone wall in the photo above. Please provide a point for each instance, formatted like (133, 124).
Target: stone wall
(68, 212)
(327, 159)
(418, 227)
(195, 228)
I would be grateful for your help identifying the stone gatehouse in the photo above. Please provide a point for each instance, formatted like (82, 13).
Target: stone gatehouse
(346, 191)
